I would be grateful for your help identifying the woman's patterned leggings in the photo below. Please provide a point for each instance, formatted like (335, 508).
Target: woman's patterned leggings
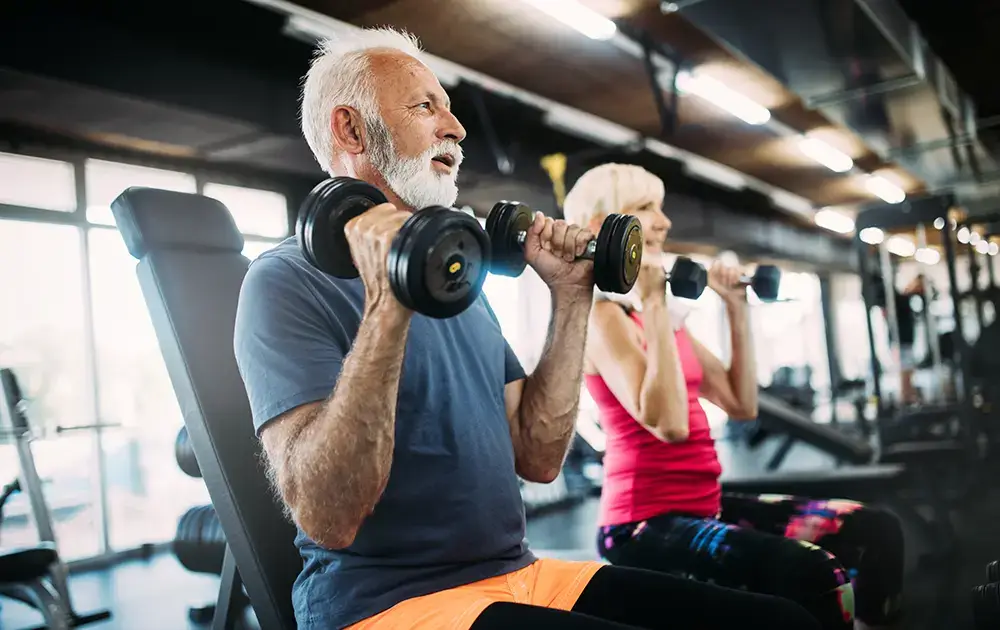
(839, 559)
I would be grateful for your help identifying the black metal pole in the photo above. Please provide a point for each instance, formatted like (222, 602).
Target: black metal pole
(832, 353)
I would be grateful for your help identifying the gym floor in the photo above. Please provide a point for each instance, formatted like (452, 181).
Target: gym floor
(155, 594)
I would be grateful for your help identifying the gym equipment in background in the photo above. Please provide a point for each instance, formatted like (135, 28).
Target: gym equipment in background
(34, 575)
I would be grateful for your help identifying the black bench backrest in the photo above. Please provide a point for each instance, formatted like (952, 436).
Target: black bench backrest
(190, 270)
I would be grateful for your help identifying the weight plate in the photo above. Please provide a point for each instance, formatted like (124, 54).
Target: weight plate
(618, 255)
(502, 225)
(438, 262)
(184, 454)
(319, 228)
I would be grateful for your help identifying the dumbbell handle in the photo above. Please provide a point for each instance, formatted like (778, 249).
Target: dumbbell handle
(587, 253)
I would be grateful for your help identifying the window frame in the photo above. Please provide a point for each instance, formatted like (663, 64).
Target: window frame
(91, 417)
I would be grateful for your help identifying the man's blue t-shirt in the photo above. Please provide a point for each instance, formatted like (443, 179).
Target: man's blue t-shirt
(452, 512)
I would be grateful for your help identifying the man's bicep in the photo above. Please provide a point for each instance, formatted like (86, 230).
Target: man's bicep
(287, 353)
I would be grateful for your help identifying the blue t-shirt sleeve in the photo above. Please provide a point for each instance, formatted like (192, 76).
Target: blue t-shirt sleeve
(288, 350)
(513, 371)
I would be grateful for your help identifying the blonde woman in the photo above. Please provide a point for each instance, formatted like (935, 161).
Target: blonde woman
(661, 505)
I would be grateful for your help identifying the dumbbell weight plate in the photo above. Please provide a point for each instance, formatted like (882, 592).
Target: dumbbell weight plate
(766, 281)
(618, 255)
(437, 262)
(319, 227)
(505, 220)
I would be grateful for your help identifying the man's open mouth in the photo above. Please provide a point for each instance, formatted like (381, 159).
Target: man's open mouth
(447, 160)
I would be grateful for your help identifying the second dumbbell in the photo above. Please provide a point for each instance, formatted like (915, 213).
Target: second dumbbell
(616, 252)
(688, 279)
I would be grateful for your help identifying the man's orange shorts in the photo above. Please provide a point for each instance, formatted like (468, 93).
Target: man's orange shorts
(546, 582)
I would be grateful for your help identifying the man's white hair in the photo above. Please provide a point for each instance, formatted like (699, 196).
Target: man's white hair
(609, 188)
(339, 75)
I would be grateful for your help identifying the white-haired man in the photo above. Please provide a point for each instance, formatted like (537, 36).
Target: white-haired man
(395, 439)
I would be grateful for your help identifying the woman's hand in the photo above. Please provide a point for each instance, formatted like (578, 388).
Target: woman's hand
(725, 281)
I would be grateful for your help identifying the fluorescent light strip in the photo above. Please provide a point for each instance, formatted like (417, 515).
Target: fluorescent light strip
(835, 160)
(927, 256)
(720, 95)
(871, 235)
(901, 246)
(834, 221)
(883, 188)
(578, 17)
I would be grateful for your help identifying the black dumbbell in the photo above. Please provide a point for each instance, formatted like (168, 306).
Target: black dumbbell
(437, 260)
(688, 279)
(616, 252)
(993, 571)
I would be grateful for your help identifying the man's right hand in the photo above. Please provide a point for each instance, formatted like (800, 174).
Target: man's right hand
(369, 236)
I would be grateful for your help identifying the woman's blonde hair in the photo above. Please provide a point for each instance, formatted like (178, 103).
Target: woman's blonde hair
(609, 188)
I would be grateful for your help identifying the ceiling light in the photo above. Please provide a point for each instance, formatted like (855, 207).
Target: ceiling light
(883, 188)
(836, 161)
(983, 247)
(994, 249)
(871, 235)
(974, 238)
(962, 234)
(718, 94)
(901, 246)
(576, 16)
(834, 221)
(938, 223)
(927, 256)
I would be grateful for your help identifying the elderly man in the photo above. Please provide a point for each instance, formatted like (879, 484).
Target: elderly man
(395, 440)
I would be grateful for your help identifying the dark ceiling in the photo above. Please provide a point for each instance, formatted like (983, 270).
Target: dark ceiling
(966, 34)
(216, 83)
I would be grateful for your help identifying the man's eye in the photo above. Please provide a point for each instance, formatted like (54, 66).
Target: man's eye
(425, 105)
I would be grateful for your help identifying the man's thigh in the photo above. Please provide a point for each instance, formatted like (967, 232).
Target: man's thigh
(547, 583)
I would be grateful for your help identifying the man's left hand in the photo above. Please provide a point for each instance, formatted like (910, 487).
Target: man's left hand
(725, 281)
(551, 249)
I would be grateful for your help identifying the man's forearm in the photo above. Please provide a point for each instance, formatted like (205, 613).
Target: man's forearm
(341, 461)
(743, 368)
(551, 394)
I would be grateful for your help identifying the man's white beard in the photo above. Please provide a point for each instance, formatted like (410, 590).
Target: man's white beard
(414, 180)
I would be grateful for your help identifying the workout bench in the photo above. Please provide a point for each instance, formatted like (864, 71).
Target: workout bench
(190, 271)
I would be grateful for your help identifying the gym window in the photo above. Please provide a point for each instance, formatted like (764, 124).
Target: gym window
(106, 180)
(33, 182)
(260, 213)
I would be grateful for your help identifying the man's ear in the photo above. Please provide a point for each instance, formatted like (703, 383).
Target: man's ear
(346, 124)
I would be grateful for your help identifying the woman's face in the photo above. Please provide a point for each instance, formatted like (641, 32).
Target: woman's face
(655, 224)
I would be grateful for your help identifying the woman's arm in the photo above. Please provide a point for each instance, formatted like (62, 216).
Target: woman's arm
(733, 390)
(650, 385)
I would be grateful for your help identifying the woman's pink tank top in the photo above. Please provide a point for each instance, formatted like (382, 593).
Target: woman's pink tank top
(644, 476)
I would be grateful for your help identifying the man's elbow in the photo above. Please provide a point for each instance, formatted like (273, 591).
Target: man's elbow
(329, 534)
(539, 474)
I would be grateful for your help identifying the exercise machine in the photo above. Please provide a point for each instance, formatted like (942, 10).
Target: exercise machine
(34, 575)
(190, 269)
(200, 544)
